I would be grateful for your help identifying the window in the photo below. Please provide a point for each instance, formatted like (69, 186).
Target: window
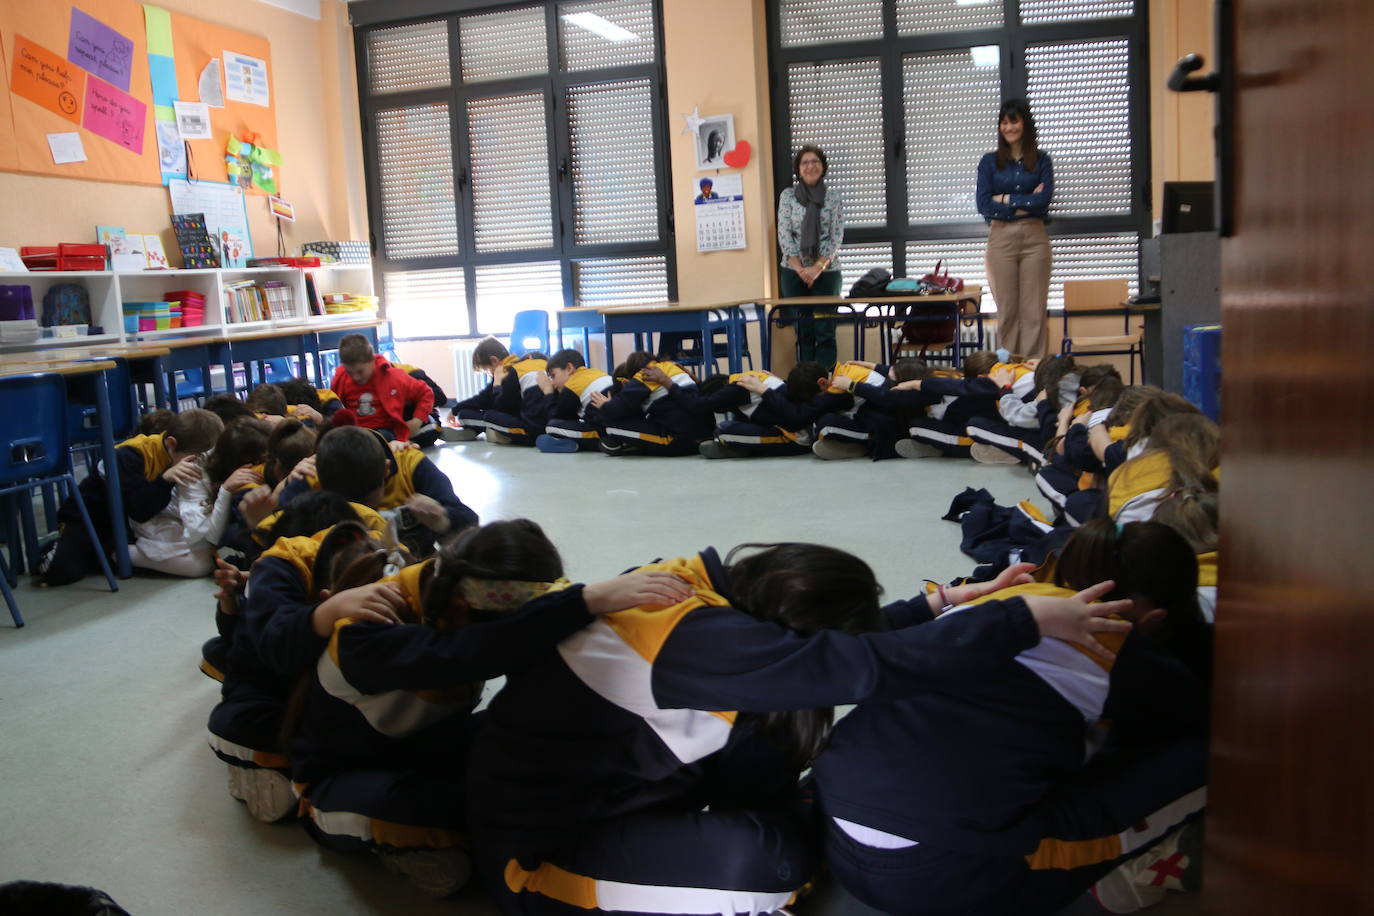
(516, 159)
(903, 97)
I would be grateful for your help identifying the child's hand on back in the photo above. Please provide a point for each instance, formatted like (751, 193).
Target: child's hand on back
(912, 385)
(842, 382)
(645, 587)
(185, 471)
(397, 446)
(429, 512)
(597, 399)
(1076, 619)
(242, 477)
(656, 375)
(752, 383)
(379, 602)
(1003, 378)
(304, 469)
(306, 413)
(257, 505)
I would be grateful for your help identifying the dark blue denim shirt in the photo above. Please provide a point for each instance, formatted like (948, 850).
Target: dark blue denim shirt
(1014, 179)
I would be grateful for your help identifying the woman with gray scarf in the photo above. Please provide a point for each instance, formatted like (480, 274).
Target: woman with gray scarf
(810, 230)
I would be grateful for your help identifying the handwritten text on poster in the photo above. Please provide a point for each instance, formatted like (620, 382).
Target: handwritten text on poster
(101, 50)
(114, 115)
(42, 77)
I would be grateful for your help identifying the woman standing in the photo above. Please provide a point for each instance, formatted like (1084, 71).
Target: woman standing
(810, 230)
(1015, 185)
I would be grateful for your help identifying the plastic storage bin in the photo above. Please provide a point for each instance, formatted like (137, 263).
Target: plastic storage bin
(16, 303)
(1202, 367)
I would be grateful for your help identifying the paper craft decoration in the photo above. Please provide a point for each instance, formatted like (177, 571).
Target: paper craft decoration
(100, 50)
(154, 254)
(66, 148)
(42, 77)
(211, 91)
(193, 120)
(115, 115)
(281, 209)
(251, 165)
(245, 79)
(738, 157)
(197, 251)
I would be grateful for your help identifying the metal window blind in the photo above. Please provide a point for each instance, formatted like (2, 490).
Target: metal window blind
(1037, 11)
(1102, 257)
(924, 17)
(405, 58)
(584, 49)
(511, 200)
(1080, 95)
(961, 257)
(615, 192)
(426, 303)
(951, 121)
(809, 22)
(839, 107)
(511, 43)
(415, 174)
(504, 289)
(857, 260)
(620, 281)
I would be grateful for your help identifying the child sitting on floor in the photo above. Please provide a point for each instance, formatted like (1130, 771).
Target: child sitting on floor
(572, 424)
(380, 396)
(780, 422)
(512, 409)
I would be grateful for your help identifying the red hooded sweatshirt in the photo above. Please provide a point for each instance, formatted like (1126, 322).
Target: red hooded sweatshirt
(382, 402)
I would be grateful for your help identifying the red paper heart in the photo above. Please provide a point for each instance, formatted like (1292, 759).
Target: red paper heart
(738, 157)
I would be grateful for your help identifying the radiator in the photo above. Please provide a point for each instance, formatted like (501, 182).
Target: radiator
(466, 382)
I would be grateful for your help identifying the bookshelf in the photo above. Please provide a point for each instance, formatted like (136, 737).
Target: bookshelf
(282, 303)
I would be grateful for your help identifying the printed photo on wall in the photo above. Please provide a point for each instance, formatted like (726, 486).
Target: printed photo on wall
(715, 138)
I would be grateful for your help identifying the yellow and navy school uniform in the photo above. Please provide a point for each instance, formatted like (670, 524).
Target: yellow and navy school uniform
(515, 408)
(658, 419)
(861, 423)
(1017, 789)
(1018, 427)
(381, 751)
(1207, 585)
(945, 424)
(573, 416)
(1135, 489)
(408, 472)
(592, 768)
(273, 644)
(141, 462)
(777, 425)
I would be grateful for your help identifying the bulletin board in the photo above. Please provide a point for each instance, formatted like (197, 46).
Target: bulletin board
(118, 128)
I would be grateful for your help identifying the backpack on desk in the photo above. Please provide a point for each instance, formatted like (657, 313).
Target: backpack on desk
(66, 303)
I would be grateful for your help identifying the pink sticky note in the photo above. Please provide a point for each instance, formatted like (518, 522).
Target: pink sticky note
(115, 115)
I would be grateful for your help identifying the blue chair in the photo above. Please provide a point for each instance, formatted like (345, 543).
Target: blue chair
(34, 453)
(530, 331)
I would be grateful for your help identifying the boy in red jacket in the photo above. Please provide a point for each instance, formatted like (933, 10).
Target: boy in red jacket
(379, 395)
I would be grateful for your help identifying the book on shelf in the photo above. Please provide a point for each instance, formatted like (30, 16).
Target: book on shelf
(246, 300)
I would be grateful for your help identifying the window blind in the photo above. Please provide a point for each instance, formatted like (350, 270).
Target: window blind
(1101, 257)
(504, 289)
(415, 175)
(839, 107)
(951, 102)
(503, 45)
(1080, 96)
(426, 303)
(511, 200)
(615, 190)
(961, 257)
(807, 22)
(1034, 12)
(620, 281)
(407, 58)
(626, 34)
(924, 17)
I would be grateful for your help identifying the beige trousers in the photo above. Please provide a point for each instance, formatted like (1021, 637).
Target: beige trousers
(1018, 266)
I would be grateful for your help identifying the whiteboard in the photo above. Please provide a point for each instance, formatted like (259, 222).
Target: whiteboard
(226, 215)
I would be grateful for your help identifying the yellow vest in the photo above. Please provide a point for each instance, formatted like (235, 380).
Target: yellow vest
(400, 487)
(156, 458)
(860, 375)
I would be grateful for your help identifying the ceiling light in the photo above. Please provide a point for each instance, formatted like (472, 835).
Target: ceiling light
(601, 26)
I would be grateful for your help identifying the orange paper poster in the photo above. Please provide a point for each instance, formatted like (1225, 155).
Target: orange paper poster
(41, 76)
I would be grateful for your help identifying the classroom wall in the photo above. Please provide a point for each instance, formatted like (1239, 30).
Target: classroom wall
(1181, 144)
(314, 91)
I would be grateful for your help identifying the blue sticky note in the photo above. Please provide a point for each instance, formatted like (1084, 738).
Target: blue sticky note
(163, 72)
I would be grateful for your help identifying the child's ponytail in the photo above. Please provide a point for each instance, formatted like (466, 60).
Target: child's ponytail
(496, 567)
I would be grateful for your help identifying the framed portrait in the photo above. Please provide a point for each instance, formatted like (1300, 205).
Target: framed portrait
(714, 140)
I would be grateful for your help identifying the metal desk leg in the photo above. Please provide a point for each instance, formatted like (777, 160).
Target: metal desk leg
(765, 338)
(160, 381)
(123, 568)
(610, 349)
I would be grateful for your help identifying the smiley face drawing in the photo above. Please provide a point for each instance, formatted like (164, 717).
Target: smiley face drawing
(67, 102)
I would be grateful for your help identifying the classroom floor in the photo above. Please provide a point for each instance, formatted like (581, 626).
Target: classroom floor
(105, 778)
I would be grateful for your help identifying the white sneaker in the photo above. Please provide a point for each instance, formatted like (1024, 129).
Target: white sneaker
(267, 793)
(913, 448)
(436, 872)
(496, 437)
(991, 454)
(835, 450)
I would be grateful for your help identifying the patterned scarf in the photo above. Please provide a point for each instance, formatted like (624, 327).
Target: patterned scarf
(812, 198)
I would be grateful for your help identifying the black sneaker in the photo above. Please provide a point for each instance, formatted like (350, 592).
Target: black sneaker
(67, 559)
(612, 445)
(713, 449)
